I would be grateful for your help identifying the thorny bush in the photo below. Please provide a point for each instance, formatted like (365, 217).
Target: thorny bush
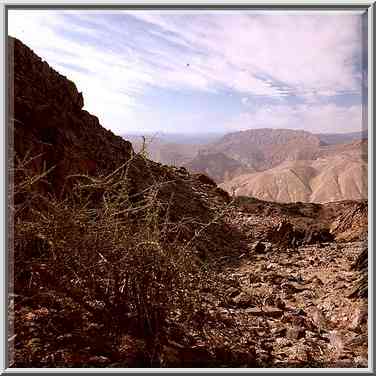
(114, 255)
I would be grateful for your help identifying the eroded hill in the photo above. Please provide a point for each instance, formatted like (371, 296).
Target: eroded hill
(339, 173)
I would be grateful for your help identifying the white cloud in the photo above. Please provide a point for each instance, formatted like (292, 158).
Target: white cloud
(327, 118)
(311, 56)
(306, 52)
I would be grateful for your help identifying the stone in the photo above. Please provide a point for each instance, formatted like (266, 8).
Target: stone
(243, 300)
(265, 311)
(232, 292)
(99, 360)
(295, 332)
(259, 247)
(273, 311)
(358, 317)
(361, 362)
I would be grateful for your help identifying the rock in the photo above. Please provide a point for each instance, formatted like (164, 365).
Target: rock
(275, 279)
(299, 353)
(316, 281)
(265, 311)
(361, 362)
(254, 278)
(259, 247)
(358, 317)
(292, 287)
(52, 125)
(352, 224)
(232, 292)
(99, 360)
(297, 320)
(273, 311)
(336, 341)
(295, 332)
(344, 363)
(243, 300)
(283, 342)
(361, 285)
(310, 335)
(318, 236)
(279, 331)
(204, 179)
(318, 318)
(281, 304)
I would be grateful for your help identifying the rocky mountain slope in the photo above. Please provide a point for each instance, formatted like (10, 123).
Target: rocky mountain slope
(341, 138)
(339, 173)
(119, 261)
(217, 165)
(274, 164)
(262, 149)
(50, 125)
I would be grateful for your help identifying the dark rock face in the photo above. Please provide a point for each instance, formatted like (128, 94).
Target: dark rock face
(49, 122)
(204, 179)
(351, 224)
(286, 234)
(361, 285)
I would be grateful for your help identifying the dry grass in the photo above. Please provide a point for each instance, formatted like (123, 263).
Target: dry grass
(101, 256)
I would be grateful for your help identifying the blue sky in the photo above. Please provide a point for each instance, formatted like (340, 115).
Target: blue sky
(192, 72)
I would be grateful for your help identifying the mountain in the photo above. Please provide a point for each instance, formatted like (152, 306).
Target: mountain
(262, 149)
(201, 138)
(239, 153)
(340, 138)
(162, 150)
(218, 166)
(49, 125)
(339, 173)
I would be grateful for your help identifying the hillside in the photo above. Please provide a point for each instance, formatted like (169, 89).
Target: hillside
(341, 138)
(79, 196)
(218, 166)
(235, 155)
(340, 174)
(262, 149)
(116, 261)
(162, 150)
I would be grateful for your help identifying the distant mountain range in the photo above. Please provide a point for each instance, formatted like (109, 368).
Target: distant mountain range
(339, 138)
(272, 164)
(337, 176)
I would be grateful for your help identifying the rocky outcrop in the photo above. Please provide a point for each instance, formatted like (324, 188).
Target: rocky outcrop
(51, 126)
(352, 224)
(361, 285)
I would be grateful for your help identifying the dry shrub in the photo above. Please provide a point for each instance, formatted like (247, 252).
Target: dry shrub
(116, 257)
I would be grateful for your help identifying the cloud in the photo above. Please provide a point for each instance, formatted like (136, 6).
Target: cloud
(318, 118)
(309, 53)
(118, 57)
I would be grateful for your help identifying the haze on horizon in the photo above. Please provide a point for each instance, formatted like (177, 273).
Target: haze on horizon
(207, 72)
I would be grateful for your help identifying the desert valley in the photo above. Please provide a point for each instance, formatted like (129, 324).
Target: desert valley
(242, 249)
(278, 165)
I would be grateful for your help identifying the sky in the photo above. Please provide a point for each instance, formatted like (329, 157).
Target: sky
(201, 72)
